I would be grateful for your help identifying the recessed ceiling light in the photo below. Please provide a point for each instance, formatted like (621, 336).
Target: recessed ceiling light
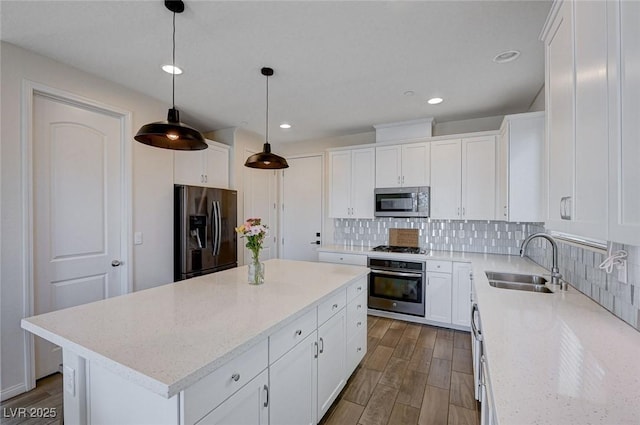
(508, 56)
(434, 100)
(409, 93)
(170, 69)
(285, 125)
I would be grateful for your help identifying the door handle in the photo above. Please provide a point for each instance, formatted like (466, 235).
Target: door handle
(321, 345)
(266, 402)
(115, 263)
(315, 243)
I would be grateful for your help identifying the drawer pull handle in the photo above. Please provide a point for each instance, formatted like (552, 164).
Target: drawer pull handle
(359, 306)
(359, 288)
(359, 348)
(334, 306)
(299, 332)
(235, 377)
(359, 324)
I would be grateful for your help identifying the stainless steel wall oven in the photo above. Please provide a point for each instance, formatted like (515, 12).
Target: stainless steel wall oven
(397, 285)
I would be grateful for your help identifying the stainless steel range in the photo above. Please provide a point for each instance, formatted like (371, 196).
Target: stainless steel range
(397, 285)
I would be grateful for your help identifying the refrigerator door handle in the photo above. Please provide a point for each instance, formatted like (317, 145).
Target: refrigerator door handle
(216, 223)
(219, 227)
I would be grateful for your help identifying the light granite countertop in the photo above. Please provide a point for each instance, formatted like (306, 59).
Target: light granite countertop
(167, 338)
(558, 358)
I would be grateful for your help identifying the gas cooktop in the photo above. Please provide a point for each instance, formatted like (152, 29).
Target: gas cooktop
(399, 249)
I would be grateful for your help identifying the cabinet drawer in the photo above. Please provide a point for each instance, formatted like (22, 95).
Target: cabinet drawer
(356, 349)
(334, 257)
(287, 338)
(356, 288)
(331, 306)
(439, 266)
(206, 394)
(356, 316)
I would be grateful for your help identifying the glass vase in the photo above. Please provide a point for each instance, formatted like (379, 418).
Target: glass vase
(256, 272)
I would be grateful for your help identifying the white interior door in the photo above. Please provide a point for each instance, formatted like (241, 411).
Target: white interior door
(260, 202)
(77, 184)
(302, 210)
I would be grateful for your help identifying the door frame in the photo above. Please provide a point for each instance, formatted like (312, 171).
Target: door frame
(282, 199)
(30, 89)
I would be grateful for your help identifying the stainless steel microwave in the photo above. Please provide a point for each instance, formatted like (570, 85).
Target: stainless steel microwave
(403, 201)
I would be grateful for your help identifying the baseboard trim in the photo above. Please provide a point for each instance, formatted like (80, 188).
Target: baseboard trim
(10, 392)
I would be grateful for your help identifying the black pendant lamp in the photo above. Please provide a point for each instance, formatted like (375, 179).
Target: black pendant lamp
(172, 134)
(265, 159)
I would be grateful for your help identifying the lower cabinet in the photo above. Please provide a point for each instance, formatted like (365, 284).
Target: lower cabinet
(249, 405)
(461, 291)
(331, 360)
(294, 383)
(438, 297)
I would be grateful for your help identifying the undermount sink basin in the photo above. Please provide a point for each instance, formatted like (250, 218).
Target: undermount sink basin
(520, 282)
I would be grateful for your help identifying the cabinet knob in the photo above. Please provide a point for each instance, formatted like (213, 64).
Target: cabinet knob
(359, 324)
(299, 332)
(359, 348)
(333, 307)
(235, 377)
(115, 263)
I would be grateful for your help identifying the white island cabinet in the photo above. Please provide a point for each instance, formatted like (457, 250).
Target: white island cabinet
(210, 350)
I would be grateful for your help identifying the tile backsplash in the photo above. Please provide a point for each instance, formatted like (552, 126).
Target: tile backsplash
(578, 265)
(492, 237)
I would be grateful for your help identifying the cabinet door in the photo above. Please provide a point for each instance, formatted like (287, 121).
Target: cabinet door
(188, 167)
(416, 164)
(460, 294)
(293, 385)
(479, 178)
(438, 297)
(216, 172)
(446, 178)
(624, 148)
(388, 163)
(339, 184)
(363, 177)
(560, 122)
(502, 173)
(331, 360)
(248, 406)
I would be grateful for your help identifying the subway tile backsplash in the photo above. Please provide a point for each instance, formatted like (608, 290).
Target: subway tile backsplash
(492, 237)
(579, 266)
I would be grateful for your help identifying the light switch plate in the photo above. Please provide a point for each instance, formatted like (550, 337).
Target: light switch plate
(137, 238)
(69, 377)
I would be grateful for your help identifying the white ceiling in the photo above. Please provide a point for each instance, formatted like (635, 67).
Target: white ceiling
(340, 66)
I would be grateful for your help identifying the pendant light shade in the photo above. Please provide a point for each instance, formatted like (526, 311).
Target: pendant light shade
(172, 134)
(265, 159)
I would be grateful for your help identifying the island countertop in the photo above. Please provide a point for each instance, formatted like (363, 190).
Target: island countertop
(167, 338)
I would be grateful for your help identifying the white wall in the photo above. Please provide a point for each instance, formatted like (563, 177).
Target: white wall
(152, 192)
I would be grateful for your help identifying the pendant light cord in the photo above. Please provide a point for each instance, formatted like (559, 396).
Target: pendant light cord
(173, 62)
(267, 119)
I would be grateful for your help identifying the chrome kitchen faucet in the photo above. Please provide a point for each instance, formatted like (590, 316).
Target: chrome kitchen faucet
(555, 271)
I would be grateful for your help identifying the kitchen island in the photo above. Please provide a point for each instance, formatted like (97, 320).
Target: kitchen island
(181, 352)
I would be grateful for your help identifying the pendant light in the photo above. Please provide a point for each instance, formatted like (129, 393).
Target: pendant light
(265, 159)
(172, 134)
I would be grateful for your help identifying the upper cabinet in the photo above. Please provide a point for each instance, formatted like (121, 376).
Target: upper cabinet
(577, 119)
(624, 114)
(403, 165)
(520, 160)
(351, 183)
(463, 178)
(208, 167)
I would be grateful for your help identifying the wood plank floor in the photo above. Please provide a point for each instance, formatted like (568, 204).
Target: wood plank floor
(46, 398)
(412, 374)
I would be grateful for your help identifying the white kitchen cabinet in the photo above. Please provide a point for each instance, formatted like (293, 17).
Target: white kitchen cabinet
(520, 165)
(461, 294)
(463, 178)
(293, 385)
(405, 165)
(331, 360)
(356, 324)
(438, 297)
(351, 183)
(208, 167)
(577, 119)
(446, 179)
(341, 258)
(250, 405)
(624, 110)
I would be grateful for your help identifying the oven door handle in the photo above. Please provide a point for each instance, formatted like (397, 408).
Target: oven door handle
(476, 332)
(396, 273)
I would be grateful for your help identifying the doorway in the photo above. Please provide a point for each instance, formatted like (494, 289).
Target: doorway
(79, 206)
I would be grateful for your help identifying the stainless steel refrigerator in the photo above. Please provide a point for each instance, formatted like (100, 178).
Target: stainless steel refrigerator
(205, 240)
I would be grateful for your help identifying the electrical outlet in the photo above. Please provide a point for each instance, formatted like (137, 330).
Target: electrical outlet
(69, 378)
(137, 238)
(622, 271)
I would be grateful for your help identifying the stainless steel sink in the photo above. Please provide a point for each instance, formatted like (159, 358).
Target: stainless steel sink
(520, 282)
